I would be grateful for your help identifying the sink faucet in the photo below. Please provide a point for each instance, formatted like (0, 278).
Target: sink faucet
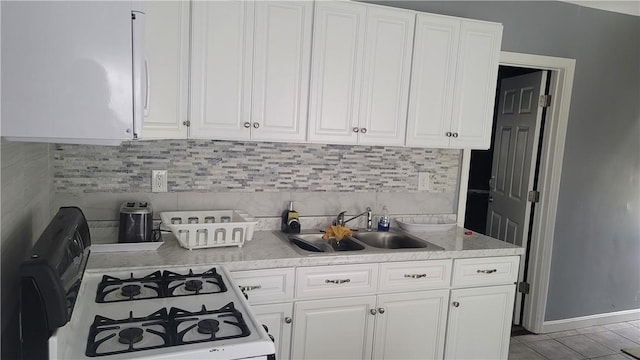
(341, 221)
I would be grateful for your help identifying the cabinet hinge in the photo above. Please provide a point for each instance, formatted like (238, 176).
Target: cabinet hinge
(186, 123)
(545, 101)
(533, 196)
(133, 16)
(523, 287)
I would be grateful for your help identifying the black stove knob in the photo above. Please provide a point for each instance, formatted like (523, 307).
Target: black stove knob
(265, 328)
(272, 338)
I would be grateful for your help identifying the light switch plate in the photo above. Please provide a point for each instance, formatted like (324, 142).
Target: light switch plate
(159, 181)
(423, 181)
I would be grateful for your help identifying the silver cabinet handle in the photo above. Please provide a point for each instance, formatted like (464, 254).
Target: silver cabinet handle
(455, 304)
(363, 130)
(415, 276)
(355, 129)
(250, 287)
(287, 320)
(448, 134)
(247, 124)
(256, 125)
(372, 311)
(339, 281)
(455, 135)
(487, 271)
(381, 310)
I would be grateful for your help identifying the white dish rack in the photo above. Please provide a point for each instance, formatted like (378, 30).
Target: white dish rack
(211, 228)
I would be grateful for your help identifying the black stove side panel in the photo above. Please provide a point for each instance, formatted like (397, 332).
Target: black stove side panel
(35, 332)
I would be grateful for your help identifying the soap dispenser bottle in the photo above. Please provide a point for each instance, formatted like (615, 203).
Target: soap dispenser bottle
(290, 220)
(384, 221)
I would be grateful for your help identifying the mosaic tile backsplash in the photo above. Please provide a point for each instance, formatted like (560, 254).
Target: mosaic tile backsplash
(228, 166)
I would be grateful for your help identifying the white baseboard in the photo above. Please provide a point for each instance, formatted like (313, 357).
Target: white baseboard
(591, 320)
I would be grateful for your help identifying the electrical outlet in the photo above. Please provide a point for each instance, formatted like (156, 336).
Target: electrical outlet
(159, 181)
(423, 181)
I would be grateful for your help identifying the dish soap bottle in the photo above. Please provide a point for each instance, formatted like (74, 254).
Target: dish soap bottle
(290, 220)
(383, 221)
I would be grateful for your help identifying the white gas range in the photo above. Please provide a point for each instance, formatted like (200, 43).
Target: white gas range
(165, 313)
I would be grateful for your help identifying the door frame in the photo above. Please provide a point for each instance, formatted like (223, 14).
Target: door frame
(543, 225)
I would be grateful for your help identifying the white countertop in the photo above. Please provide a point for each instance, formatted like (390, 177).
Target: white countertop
(266, 250)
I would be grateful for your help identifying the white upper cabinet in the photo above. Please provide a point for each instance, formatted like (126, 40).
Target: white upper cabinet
(167, 42)
(453, 82)
(281, 60)
(222, 45)
(250, 66)
(361, 62)
(475, 88)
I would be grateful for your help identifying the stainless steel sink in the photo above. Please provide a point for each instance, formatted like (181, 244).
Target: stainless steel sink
(390, 240)
(315, 243)
(310, 242)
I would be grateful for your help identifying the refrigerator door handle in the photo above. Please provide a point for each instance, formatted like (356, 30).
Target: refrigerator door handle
(139, 98)
(147, 103)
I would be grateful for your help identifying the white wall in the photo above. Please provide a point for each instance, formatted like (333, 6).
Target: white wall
(27, 197)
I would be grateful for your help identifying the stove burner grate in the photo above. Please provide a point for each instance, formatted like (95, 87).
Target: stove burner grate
(159, 285)
(162, 327)
(130, 333)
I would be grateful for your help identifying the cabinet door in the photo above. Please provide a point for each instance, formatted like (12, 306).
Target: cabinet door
(480, 322)
(411, 325)
(277, 317)
(432, 80)
(167, 44)
(333, 329)
(222, 43)
(475, 88)
(338, 44)
(281, 61)
(385, 85)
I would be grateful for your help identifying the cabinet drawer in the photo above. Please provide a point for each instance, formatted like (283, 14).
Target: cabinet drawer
(414, 275)
(266, 286)
(485, 271)
(336, 281)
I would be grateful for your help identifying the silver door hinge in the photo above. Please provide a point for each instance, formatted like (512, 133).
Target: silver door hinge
(523, 287)
(186, 123)
(545, 101)
(533, 196)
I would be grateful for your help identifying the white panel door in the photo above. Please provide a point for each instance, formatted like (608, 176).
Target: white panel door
(167, 44)
(338, 46)
(512, 172)
(411, 325)
(480, 323)
(222, 43)
(333, 328)
(475, 86)
(277, 318)
(281, 61)
(432, 80)
(387, 67)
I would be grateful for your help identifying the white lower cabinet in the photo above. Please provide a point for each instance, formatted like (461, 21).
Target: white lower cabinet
(334, 328)
(481, 308)
(277, 318)
(270, 293)
(480, 322)
(410, 325)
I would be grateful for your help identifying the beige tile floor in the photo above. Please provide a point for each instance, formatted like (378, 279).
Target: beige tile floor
(595, 342)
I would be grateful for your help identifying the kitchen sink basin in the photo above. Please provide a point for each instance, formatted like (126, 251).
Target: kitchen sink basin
(315, 243)
(390, 240)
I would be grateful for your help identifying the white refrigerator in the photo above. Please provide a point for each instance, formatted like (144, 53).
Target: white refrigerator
(73, 71)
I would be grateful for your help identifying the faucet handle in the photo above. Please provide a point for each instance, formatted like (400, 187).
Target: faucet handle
(340, 219)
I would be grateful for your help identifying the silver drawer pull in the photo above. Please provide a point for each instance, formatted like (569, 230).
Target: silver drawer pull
(250, 287)
(415, 276)
(488, 271)
(339, 281)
